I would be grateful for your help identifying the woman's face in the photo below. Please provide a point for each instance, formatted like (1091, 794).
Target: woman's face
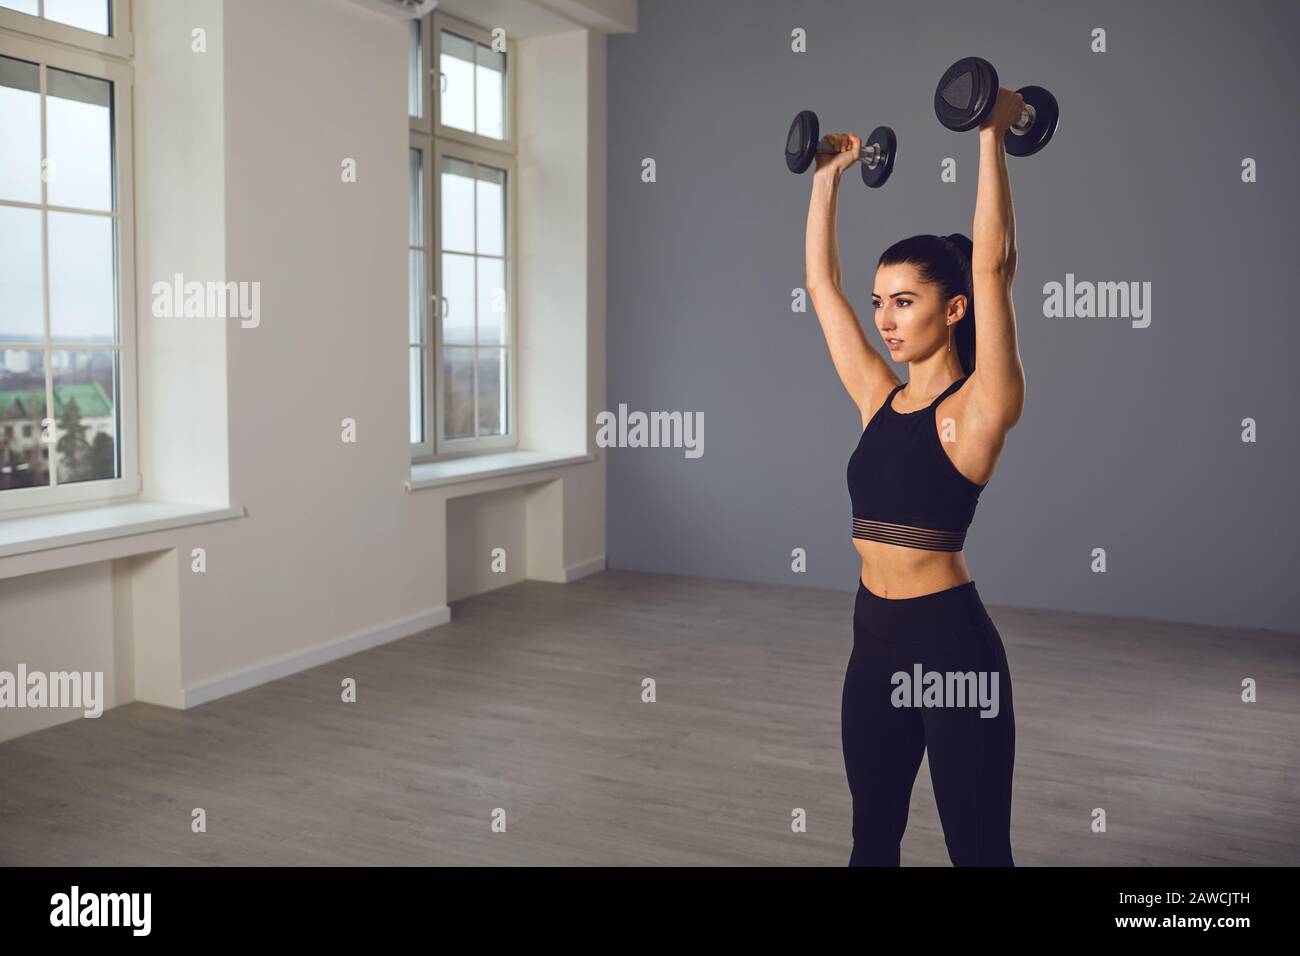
(911, 315)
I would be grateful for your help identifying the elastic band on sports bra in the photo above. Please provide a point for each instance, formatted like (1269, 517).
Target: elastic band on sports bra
(908, 537)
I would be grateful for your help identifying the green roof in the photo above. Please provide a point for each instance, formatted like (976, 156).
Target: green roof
(29, 404)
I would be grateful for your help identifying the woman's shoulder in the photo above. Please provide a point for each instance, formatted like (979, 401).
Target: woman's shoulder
(875, 397)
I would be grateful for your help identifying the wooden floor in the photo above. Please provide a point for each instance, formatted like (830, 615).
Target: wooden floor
(530, 701)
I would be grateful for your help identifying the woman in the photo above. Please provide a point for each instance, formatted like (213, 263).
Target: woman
(928, 448)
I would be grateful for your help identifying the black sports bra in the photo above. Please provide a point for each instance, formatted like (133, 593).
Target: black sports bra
(905, 489)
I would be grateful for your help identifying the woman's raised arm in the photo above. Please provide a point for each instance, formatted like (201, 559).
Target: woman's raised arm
(863, 371)
(998, 382)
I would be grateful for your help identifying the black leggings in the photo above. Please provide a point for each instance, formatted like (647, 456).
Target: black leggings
(971, 756)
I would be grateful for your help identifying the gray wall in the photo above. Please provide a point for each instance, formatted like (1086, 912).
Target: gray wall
(1131, 438)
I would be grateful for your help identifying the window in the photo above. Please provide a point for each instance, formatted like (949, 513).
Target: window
(471, 85)
(415, 79)
(463, 359)
(89, 15)
(472, 264)
(419, 300)
(101, 26)
(66, 275)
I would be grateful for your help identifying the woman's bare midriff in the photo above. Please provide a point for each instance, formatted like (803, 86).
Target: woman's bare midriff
(890, 571)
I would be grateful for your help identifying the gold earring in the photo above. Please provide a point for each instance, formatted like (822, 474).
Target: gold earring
(949, 336)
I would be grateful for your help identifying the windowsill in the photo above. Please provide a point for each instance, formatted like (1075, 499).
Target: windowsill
(472, 468)
(24, 535)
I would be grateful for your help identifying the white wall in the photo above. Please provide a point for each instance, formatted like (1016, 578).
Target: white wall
(476, 527)
(333, 548)
(56, 622)
(180, 229)
(553, 232)
(562, 227)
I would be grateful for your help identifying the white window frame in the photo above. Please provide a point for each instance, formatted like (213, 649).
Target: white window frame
(480, 445)
(119, 42)
(436, 141)
(469, 31)
(34, 45)
(424, 448)
(421, 123)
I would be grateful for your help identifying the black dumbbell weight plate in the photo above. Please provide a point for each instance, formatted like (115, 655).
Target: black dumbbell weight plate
(1046, 115)
(966, 93)
(885, 165)
(801, 141)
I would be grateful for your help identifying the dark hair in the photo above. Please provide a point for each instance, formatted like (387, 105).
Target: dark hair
(945, 262)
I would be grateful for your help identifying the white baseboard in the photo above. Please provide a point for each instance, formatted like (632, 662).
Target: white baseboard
(584, 568)
(235, 681)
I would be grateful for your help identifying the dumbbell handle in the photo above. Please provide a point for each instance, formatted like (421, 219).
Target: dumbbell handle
(871, 153)
(1021, 126)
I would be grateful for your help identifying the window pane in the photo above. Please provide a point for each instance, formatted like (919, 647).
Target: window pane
(456, 64)
(20, 118)
(458, 393)
(89, 15)
(82, 290)
(458, 299)
(85, 414)
(21, 311)
(22, 6)
(492, 303)
(490, 92)
(457, 205)
(492, 391)
(23, 456)
(79, 128)
(417, 198)
(417, 296)
(417, 395)
(415, 89)
(491, 222)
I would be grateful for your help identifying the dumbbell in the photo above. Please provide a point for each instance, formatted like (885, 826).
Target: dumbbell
(965, 96)
(804, 142)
